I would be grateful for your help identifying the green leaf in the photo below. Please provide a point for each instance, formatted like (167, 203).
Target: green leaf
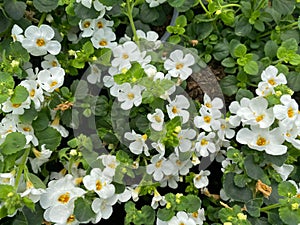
(176, 3)
(270, 49)
(227, 17)
(84, 13)
(228, 85)
(254, 170)
(20, 95)
(204, 30)
(45, 5)
(287, 189)
(165, 214)
(4, 190)
(251, 68)
(221, 50)
(259, 25)
(273, 217)
(14, 142)
(110, 2)
(284, 7)
(5, 21)
(145, 216)
(33, 217)
(50, 137)
(240, 50)
(41, 122)
(290, 44)
(174, 39)
(135, 73)
(242, 27)
(241, 180)
(253, 207)
(149, 14)
(83, 211)
(189, 203)
(88, 48)
(228, 62)
(15, 9)
(181, 21)
(36, 181)
(20, 219)
(6, 86)
(235, 192)
(293, 79)
(289, 216)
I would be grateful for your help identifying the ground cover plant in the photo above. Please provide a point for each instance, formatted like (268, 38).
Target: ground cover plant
(167, 112)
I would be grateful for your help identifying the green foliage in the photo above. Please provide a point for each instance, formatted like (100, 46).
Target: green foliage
(145, 215)
(13, 143)
(45, 5)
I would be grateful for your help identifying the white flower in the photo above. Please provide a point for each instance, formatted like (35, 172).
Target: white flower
(201, 180)
(7, 179)
(155, 3)
(28, 131)
(101, 23)
(205, 144)
(257, 113)
(110, 162)
(104, 38)
(284, 171)
(225, 130)
(234, 108)
(94, 75)
(263, 140)
(156, 119)
(35, 92)
(124, 54)
(185, 140)
(159, 167)
(99, 183)
(103, 207)
(8, 125)
(50, 61)
(40, 158)
(87, 26)
(14, 108)
(139, 145)
(198, 216)
(182, 166)
(51, 79)
(287, 113)
(177, 108)
(290, 134)
(130, 95)
(33, 193)
(181, 218)
(17, 33)
(208, 121)
(157, 200)
(178, 65)
(58, 201)
(160, 147)
(210, 105)
(269, 75)
(86, 3)
(38, 41)
(55, 124)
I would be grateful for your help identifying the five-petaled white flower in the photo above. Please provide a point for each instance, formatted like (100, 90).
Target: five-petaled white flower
(103, 207)
(51, 79)
(185, 140)
(178, 65)
(160, 167)
(156, 119)
(139, 145)
(50, 61)
(181, 218)
(104, 38)
(208, 120)
(201, 180)
(129, 96)
(35, 92)
(38, 41)
(178, 107)
(205, 144)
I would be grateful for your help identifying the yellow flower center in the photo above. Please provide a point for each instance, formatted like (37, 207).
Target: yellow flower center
(100, 25)
(32, 93)
(64, 198)
(16, 105)
(71, 219)
(208, 105)
(204, 142)
(87, 24)
(290, 112)
(40, 42)
(207, 119)
(195, 214)
(98, 185)
(54, 63)
(26, 129)
(179, 66)
(130, 96)
(103, 43)
(125, 56)
(157, 119)
(158, 164)
(144, 137)
(261, 141)
(272, 81)
(53, 83)
(259, 118)
(174, 110)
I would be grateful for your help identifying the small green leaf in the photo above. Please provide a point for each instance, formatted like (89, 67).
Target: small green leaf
(88, 48)
(176, 3)
(240, 50)
(83, 211)
(189, 203)
(241, 180)
(110, 2)
(284, 7)
(293, 79)
(14, 142)
(270, 49)
(227, 17)
(254, 171)
(242, 27)
(20, 95)
(5, 21)
(251, 68)
(41, 122)
(228, 85)
(289, 216)
(15, 9)
(36, 181)
(253, 207)
(287, 189)
(228, 62)
(181, 21)
(149, 14)
(165, 214)
(50, 137)
(45, 5)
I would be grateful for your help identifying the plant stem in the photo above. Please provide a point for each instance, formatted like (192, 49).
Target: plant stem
(269, 207)
(129, 14)
(231, 5)
(204, 8)
(42, 19)
(22, 166)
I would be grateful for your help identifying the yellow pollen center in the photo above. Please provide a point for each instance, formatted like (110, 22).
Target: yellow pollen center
(157, 119)
(207, 119)
(53, 83)
(208, 105)
(204, 142)
(64, 198)
(261, 141)
(272, 82)
(54, 63)
(179, 66)
(112, 165)
(40, 42)
(259, 118)
(26, 129)
(178, 162)
(130, 96)
(174, 110)
(288, 134)
(158, 164)
(125, 56)
(87, 24)
(103, 43)
(144, 137)
(290, 112)
(71, 219)
(223, 127)
(195, 214)
(32, 93)
(98, 185)
(182, 223)
(198, 177)
(16, 105)
(100, 25)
